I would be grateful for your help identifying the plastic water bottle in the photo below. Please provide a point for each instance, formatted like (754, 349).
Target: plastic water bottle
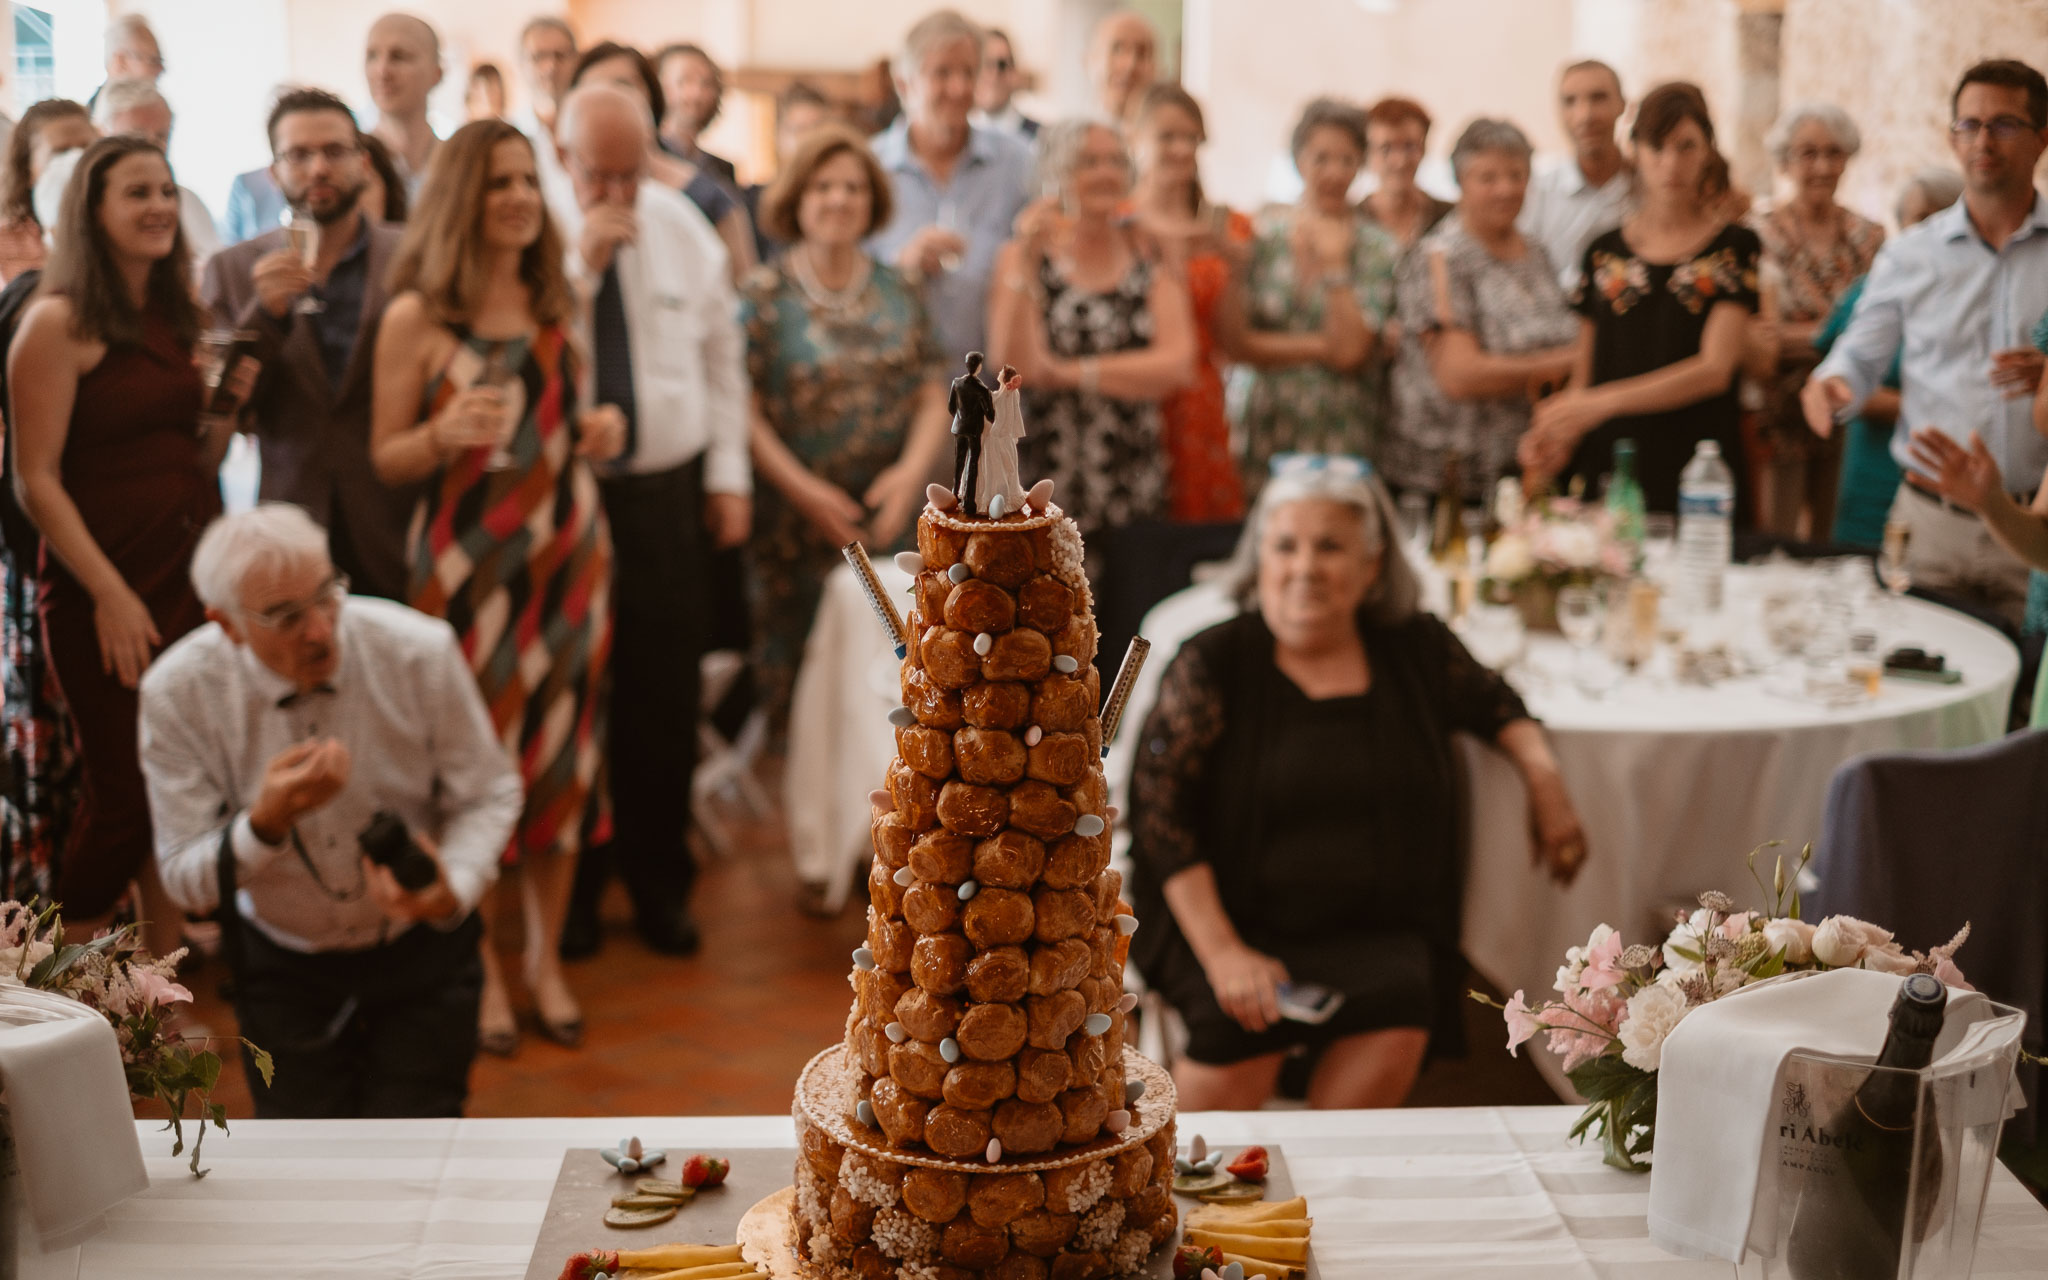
(1706, 523)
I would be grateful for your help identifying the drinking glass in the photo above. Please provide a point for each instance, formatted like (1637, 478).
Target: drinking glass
(1414, 516)
(1892, 569)
(1660, 547)
(948, 219)
(501, 374)
(1580, 615)
(303, 236)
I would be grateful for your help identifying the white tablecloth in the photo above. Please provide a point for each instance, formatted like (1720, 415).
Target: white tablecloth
(1396, 1195)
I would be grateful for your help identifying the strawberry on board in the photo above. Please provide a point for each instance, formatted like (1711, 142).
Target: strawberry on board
(1250, 1165)
(1190, 1259)
(701, 1171)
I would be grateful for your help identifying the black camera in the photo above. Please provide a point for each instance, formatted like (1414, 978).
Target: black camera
(387, 843)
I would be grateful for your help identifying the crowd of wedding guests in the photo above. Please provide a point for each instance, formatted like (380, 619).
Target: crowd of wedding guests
(563, 383)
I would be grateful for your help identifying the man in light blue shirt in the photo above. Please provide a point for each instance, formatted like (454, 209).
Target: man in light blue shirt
(957, 188)
(1958, 297)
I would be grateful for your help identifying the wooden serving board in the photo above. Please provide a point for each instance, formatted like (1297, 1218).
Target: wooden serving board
(585, 1187)
(1279, 1186)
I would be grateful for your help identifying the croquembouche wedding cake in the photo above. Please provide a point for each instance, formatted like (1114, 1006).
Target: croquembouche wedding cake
(983, 1115)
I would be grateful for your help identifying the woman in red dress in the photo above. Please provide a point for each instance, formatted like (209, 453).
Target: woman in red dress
(477, 395)
(1207, 241)
(116, 465)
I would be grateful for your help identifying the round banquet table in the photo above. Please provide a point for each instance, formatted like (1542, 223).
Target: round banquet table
(1675, 784)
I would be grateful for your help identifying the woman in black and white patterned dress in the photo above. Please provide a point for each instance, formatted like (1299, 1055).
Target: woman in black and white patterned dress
(1101, 330)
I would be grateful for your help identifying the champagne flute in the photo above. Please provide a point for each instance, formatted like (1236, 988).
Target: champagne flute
(948, 219)
(302, 234)
(501, 374)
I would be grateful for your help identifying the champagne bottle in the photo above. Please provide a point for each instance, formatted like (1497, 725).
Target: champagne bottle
(1850, 1222)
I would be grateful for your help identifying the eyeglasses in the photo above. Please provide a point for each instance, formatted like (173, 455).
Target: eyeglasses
(1343, 465)
(332, 153)
(289, 618)
(2001, 128)
(1817, 155)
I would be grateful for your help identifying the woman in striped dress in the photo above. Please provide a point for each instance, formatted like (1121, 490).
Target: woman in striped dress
(476, 395)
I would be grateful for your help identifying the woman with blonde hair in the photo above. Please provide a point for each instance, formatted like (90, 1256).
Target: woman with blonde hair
(478, 397)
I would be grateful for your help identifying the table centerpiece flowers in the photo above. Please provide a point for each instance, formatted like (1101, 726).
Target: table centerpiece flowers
(134, 991)
(1552, 543)
(1616, 1003)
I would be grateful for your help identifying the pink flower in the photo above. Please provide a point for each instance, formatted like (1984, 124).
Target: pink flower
(1945, 969)
(1603, 964)
(1585, 1026)
(1736, 925)
(1522, 1023)
(155, 989)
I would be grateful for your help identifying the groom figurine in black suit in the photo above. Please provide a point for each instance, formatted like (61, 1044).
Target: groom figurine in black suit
(973, 409)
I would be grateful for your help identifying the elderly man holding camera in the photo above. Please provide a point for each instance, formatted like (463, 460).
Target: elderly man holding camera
(322, 771)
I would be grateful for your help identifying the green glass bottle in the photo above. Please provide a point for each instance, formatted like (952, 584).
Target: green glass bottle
(1625, 497)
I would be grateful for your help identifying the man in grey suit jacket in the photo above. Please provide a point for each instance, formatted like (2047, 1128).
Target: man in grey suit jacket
(310, 314)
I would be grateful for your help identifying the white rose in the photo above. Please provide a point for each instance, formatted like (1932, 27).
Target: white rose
(18, 962)
(1578, 546)
(1793, 938)
(1840, 941)
(1652, 1013)
(1508, 559)
(1691, 934)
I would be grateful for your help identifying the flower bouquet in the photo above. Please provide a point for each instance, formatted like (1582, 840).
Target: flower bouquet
(134, 992)
(1556, 542)
(1617, 1003)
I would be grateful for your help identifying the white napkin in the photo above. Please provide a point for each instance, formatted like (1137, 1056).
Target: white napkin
(1713, 1192)
(68, 1108)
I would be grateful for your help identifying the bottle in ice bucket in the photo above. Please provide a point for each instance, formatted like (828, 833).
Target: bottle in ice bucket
(1706, 522)
(1625, 497)
(1850, 1223)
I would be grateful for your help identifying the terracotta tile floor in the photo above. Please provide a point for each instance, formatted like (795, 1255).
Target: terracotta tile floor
(725, 1032)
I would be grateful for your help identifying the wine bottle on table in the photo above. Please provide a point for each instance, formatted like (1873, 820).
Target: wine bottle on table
(1850, 1222)
(1625, 497)
(1447, 538)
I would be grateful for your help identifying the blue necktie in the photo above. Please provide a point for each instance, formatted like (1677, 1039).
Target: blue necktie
(614, 356)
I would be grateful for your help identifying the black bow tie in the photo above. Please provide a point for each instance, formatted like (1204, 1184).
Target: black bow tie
(292, 699)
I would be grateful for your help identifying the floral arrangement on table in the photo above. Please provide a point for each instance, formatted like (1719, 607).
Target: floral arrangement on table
(1618, 1003)
(1552, 543)
(134, 992)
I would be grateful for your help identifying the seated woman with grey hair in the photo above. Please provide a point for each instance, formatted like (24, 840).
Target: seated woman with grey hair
(1484, 326)
(1814, 248)
(1294, 806)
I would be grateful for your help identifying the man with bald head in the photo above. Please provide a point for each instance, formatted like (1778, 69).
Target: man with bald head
(1123, 61)
(402, 62)
(659, 324)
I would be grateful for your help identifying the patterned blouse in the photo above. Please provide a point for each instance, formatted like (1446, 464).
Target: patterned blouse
(1808, 279)
(1509, 308)
(1307, 407)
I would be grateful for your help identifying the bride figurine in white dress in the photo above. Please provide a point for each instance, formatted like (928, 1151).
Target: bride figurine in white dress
(999, 490)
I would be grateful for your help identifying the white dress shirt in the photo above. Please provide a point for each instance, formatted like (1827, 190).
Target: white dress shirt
(690, 387)
(1564, 213)
(1944, 301)
(420, 745)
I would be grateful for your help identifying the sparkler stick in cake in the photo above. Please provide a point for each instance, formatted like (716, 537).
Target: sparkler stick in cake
(892, 622)
(1120, 692)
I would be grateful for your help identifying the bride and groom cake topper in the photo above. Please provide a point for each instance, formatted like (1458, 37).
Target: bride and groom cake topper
(987, 428)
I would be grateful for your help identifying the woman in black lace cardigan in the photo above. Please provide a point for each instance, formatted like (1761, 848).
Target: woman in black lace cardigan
(1295, 807)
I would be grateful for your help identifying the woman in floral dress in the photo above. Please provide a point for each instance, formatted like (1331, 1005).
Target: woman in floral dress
(1664, 300)
(1304, 320)
(849, 394)
(1814, 249)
